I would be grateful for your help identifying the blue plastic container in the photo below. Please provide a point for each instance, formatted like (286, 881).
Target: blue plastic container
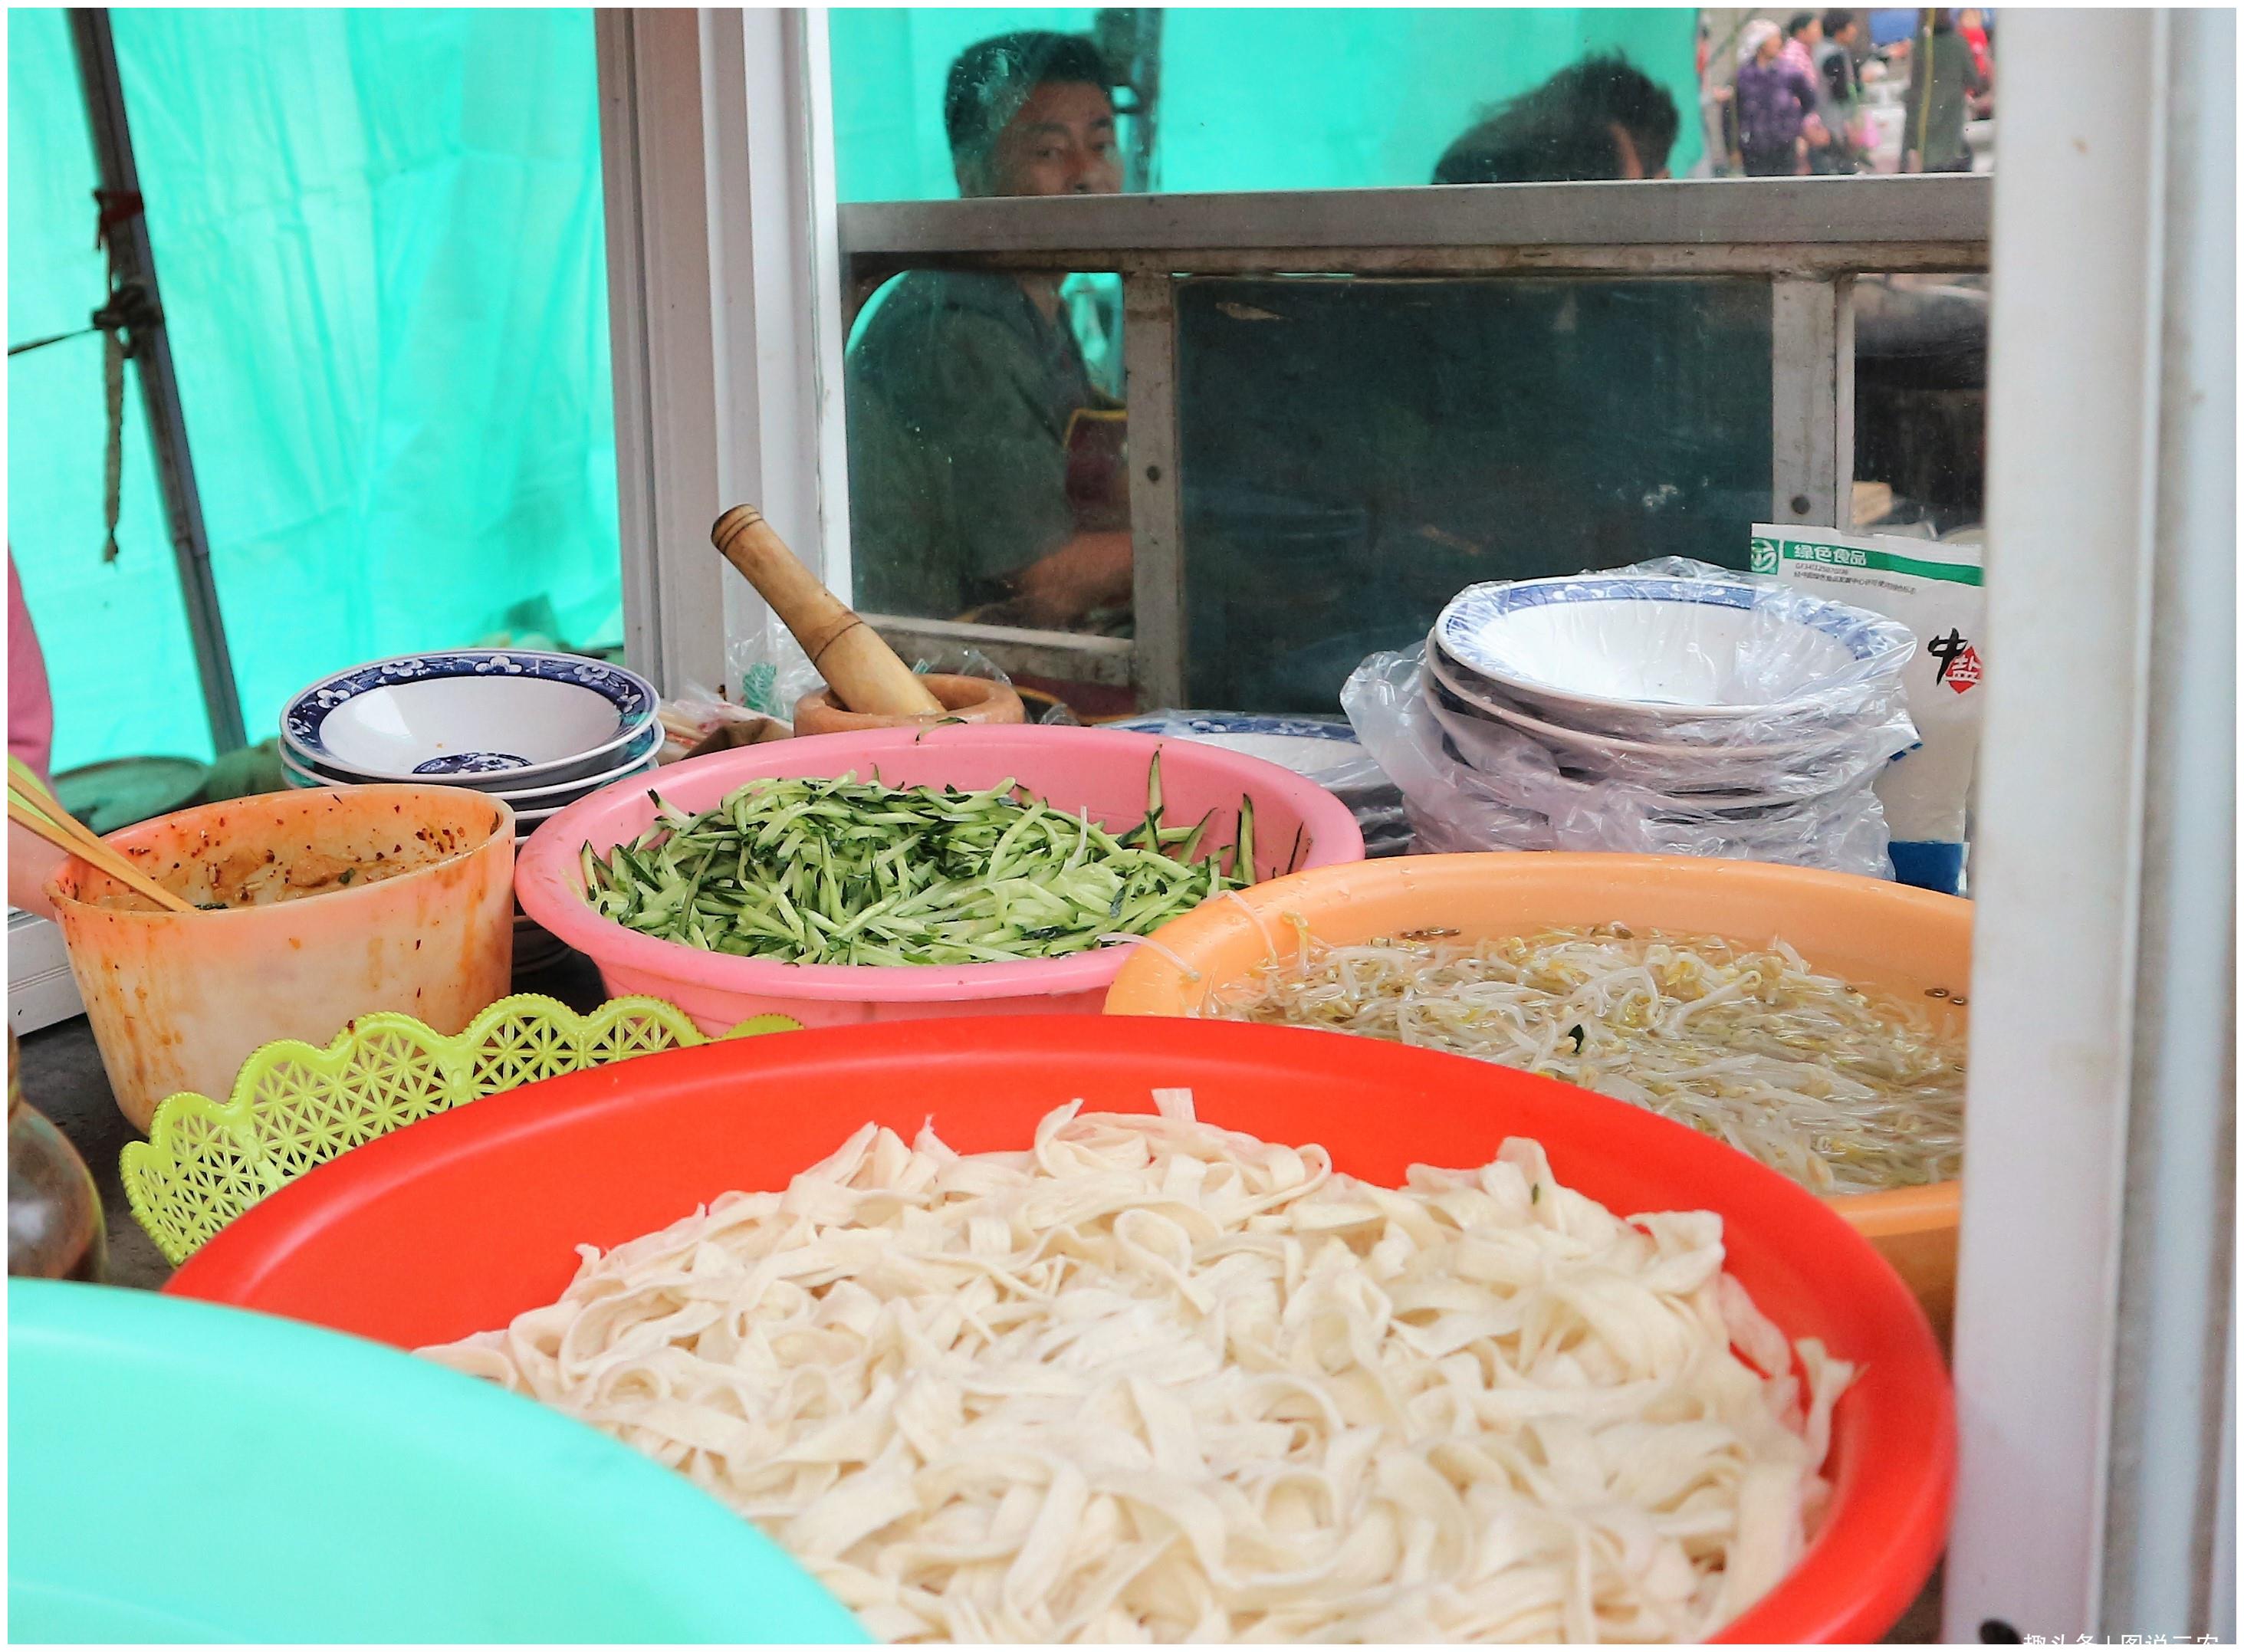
(181, 1472)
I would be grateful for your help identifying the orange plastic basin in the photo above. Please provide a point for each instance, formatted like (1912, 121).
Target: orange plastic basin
(179, 1001)
(1877, 936)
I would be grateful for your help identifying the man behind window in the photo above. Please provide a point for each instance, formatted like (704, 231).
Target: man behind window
(967, 392)
(1600, 119)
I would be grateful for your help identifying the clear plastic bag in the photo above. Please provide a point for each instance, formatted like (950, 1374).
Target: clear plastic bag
(690, 719)
(1694, 711)
(775, 673)
(771, 668)
(1471, 786)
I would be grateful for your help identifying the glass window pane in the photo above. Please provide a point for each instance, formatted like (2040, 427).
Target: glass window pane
(1920, 403)
(1355, 451)
(1337, 99)
(1348, 98)
(987, 480)
(1847, 92)
(986, 435)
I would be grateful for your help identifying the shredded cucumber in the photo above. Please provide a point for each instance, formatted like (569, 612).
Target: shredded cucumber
(838, 872)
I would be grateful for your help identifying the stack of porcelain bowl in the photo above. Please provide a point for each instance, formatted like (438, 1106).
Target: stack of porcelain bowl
(1708, 714)
(539, 731)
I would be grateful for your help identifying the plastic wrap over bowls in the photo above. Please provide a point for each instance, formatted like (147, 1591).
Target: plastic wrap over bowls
(467, 1219)
(180, 1472)
(1100, 770)
(1904, 942)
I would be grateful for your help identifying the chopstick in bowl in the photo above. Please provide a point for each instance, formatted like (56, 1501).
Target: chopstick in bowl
(40, 812)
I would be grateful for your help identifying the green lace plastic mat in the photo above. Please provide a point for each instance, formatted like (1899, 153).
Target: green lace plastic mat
(295, 1107)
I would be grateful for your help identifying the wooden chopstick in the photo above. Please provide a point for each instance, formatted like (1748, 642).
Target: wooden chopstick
(28, 811)
(26, 782)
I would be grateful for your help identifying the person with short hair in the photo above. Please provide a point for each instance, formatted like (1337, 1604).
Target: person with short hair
(1775, 105)
(966, 390)
(1802, 36)
(1600, 119)
(1839, 95)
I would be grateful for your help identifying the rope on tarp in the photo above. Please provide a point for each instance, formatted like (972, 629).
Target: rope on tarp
(29, 345)
(112, 469)
(119, 322)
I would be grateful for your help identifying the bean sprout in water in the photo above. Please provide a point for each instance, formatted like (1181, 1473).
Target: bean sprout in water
(1843, 1091)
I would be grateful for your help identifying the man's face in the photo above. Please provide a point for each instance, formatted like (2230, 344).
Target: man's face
(1061, 143)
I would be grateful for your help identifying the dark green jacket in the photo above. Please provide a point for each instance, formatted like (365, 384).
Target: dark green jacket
(1954, 77)
(959, 395)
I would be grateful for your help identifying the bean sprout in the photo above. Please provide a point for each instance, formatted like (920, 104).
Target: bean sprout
(1842, 1090)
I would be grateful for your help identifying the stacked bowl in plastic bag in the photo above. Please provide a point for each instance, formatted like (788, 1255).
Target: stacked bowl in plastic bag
(1672, 708)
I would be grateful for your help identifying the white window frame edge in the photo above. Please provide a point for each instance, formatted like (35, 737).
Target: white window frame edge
(725, 318)
(2093, 1292)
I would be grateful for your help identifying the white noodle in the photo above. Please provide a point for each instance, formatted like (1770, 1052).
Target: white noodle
(1843, 1092)
(1150, 1380)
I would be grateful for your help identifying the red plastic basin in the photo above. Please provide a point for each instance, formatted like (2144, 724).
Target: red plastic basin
(458, 1222)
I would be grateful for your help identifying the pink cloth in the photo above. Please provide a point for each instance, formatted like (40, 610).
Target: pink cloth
(30, 708)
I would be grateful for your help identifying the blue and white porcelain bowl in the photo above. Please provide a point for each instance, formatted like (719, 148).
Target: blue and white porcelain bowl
(497, 719)
(636, 759)
(1628, 654)
(1478, 697)
(1327, 752)
(531, 816)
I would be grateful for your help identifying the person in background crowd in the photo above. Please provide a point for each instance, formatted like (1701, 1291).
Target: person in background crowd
(1601, 118)
(31, 741)
(1802, 36)
(1971, 24)
(1776, 106)
(1941, 83)
(966, 388)
(1838, 95)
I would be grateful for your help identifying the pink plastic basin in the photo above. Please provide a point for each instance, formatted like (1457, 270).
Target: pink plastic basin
(1101, 770)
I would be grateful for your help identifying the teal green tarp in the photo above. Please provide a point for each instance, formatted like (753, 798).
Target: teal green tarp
(379, 235)
(1286, 97)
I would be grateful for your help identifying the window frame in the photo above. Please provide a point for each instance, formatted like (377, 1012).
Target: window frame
(1807, 237)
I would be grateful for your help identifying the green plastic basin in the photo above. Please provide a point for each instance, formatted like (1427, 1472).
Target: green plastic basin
(182, 1472)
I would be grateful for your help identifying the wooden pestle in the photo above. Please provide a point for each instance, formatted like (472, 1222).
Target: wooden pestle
(863, 671)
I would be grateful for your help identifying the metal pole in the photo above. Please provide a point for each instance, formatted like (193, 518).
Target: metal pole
(132, 264)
